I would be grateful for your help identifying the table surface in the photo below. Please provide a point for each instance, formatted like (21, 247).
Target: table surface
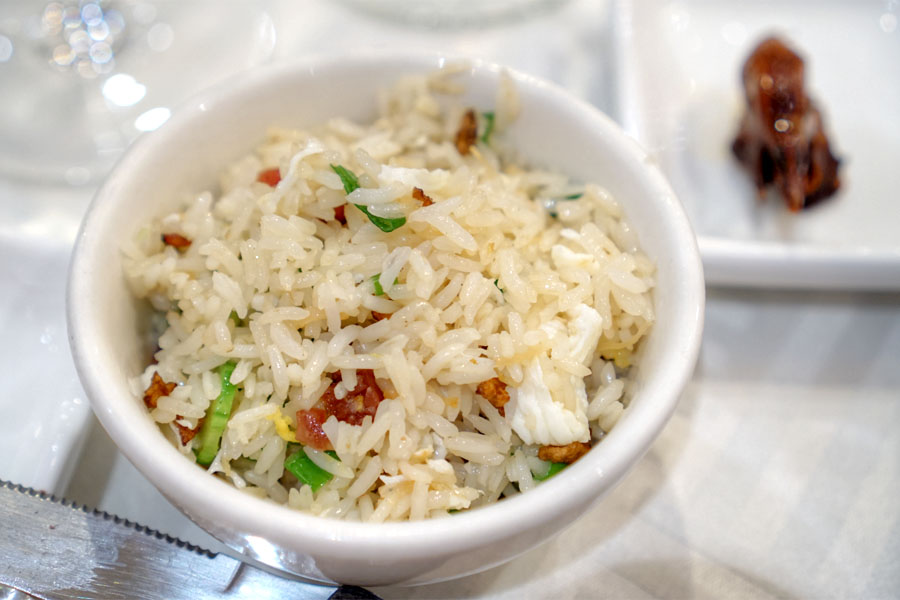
(778, 475)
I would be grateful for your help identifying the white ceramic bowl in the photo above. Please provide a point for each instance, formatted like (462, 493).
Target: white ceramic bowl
(188, 153)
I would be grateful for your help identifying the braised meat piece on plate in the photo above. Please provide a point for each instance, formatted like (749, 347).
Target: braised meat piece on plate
(781, 139)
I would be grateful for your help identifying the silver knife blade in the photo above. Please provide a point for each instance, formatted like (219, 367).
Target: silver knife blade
(53, 549)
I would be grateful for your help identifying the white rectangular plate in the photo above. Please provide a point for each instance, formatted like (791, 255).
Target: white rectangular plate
(679, 92)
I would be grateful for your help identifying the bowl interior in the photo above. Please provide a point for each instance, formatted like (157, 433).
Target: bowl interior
(187, 155)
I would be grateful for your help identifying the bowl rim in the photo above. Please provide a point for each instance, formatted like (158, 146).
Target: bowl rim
(177, 477)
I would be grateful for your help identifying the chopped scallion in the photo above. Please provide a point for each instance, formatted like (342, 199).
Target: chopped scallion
(382, 223)
(488, 126)
(379, 291)
(348, 177)
(306, 471)
(351, 183)
(553, 470)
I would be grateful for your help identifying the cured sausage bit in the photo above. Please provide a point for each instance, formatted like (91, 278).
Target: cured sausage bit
(156, 390)
(494, 391)
(270, 177)
(360, 402)
(420, 195)
(176, 240)
(467, 133)
(564, 454)
(379, 315)
(309, 428)
(339, 215)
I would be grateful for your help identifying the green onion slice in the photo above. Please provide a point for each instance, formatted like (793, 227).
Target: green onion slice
(348, 178)
(217, 415)
(553, 470)
(306, 471)
(351, 182)
(382, 223)
(379, 291)
(488, 126)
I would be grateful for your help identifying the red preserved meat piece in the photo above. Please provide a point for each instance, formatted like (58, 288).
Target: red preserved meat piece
(309, 428)
(339, 215)
(361, 401)
(176, 240)
(270, 177)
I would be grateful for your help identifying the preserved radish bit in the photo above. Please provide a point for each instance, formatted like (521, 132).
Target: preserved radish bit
(467, 134)
(270, 177)
(422, 197)
(358, 403)
(176, 240)
(186, 434)
(564, 454)
(156, 390)
(494, 391)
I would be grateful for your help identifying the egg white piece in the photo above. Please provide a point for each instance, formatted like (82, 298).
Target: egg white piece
(536, 417)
